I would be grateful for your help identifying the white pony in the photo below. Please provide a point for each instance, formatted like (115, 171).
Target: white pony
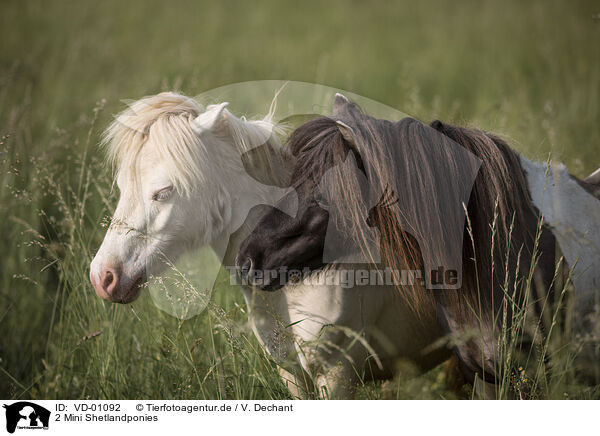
(183, 185)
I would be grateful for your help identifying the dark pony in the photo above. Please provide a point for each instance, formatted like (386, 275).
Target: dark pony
(428, 180)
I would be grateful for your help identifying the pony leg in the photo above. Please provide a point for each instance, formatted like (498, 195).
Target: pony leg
(338, 383)
(336, 358)
(299, 385)
(455, 379)
(483, 390)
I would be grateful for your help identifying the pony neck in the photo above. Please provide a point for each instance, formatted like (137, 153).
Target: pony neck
(257, 173)
(259, 150)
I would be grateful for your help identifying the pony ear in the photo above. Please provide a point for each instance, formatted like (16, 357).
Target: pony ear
(348, 135)
(343, 108)
(340, 104)
(437, 125)
(210, 118)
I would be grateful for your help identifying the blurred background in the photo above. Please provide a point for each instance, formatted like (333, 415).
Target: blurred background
(529, 71)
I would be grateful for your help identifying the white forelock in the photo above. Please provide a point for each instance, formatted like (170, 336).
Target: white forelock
(167, 122)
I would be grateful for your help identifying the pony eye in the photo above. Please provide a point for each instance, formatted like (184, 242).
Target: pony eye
(321, 201)
(162, 194)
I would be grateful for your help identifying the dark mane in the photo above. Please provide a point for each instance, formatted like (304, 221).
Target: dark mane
(312, 158)
(498, 239)
(503, 240)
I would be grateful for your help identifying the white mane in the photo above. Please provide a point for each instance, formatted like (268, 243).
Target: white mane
(167, 122)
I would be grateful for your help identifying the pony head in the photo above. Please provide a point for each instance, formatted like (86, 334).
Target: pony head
(177, 166)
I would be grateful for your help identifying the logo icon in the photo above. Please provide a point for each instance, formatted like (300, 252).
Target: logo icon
(26, 415)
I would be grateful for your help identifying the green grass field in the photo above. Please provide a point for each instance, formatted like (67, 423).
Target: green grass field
(527, 70)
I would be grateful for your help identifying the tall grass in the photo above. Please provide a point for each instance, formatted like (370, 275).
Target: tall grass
(528, 71)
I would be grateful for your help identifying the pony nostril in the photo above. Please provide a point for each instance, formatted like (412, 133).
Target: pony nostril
(246, 268)
(109, 281)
